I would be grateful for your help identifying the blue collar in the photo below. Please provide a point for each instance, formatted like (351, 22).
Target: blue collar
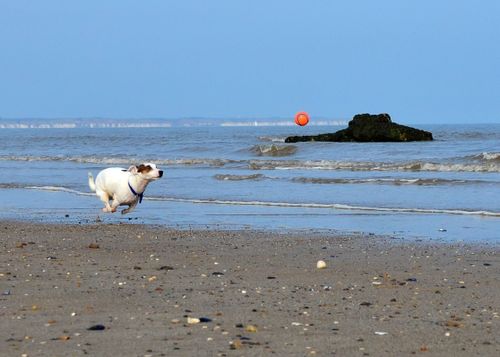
(141, 195)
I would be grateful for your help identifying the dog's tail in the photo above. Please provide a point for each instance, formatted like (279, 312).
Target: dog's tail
(91, 182)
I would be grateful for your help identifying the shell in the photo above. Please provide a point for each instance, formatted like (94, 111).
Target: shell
(193, 320)
(321, 264)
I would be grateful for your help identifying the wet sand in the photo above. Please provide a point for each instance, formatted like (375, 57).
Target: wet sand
(256, 293)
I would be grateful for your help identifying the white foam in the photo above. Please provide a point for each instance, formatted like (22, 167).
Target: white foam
(59, 189)
(336, 206)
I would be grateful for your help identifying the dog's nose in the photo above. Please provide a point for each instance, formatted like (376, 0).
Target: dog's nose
(161, 173)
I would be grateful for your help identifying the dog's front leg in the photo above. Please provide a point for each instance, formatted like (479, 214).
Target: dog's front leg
(130, 207)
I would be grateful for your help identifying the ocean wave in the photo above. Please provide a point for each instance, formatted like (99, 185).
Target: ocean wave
(121, 160)
(59, 189)
(274, 150)
(372, 166)
(485, 162)
(488, 156)
(223, 177)
(388, 181)
(335, 206)
(273, 139)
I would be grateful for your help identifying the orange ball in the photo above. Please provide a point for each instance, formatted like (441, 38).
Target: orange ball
(301, 118)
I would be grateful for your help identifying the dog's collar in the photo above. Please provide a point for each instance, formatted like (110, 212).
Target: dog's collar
(141, 195)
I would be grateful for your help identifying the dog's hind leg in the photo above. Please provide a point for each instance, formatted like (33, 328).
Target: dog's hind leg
(130, 208)
(105, 199)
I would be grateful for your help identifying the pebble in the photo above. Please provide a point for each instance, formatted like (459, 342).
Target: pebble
(193, 320)
(380, 333)
(250, 328)
(321, 264)
(96, 328)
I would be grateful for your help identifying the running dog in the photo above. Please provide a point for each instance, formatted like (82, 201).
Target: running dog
(122, 186)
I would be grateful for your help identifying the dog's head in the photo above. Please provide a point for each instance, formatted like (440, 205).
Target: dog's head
(146, 171)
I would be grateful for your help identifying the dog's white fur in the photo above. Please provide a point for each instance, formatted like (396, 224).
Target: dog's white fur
(123, 186)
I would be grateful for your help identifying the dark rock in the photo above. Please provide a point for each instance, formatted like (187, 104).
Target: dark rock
(369, 128)
(166, 267)
(97, 328)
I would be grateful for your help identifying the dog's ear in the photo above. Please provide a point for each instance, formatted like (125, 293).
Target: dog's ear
(132, 169)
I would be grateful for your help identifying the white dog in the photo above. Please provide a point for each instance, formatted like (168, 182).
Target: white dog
(123, 187)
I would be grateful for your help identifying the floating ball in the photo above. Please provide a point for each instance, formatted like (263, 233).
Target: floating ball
(301, 118)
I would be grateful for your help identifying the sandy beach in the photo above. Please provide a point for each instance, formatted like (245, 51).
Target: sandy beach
(133, 290)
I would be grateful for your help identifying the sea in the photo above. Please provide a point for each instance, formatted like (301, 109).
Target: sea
(240, 174)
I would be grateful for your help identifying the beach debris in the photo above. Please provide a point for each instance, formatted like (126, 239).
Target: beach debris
(250, 328)
(97, 327)
(205, 319)
(51, 258)
(413, 280)
(193, 320)
(64, 338)
(152, 278)
(166, 267)
(454, 323)
(217, 274)
(6, 292)
(94, 246)
(321, 264)
(424, 348)
(380, 333)
(271, 277)
(175, 321)
(235, 345)
(442, 230)
(21, 244)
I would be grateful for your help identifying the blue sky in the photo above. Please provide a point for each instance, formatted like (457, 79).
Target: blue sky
(421, 61)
